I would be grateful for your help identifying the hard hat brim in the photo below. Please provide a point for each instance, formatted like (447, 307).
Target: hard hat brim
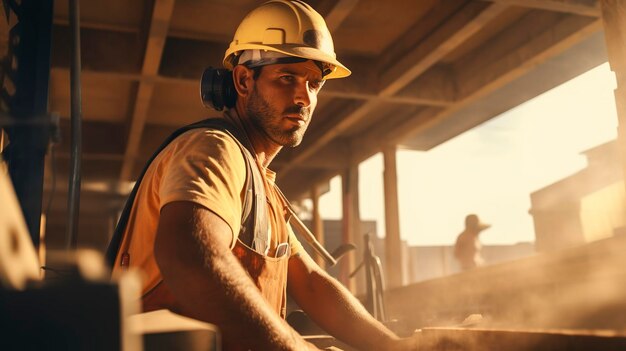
(310, 53)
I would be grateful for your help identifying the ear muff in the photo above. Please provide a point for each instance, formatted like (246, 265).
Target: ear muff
(217, 89)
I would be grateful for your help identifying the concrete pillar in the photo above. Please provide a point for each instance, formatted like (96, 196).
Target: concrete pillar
(393, 249)
(614, 21)
(351, 223)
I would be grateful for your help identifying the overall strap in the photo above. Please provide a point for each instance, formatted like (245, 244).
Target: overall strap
(254, 199)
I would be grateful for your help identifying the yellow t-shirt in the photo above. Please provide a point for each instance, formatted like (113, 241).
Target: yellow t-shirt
(206, 167)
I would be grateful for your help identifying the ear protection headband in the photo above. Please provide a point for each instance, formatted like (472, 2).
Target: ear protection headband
(217, 89)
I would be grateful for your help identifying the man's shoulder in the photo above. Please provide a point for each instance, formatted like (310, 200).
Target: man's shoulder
(206, 132)
(205, 143)
(207, 138)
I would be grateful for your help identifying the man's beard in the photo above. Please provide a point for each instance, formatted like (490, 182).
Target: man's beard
(269, 120)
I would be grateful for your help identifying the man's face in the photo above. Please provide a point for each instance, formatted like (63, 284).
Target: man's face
(282, 101)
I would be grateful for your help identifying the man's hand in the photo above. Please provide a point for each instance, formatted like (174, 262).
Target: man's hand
(411, 343)
(336, 310)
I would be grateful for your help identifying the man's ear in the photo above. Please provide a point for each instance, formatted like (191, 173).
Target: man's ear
(243, 78)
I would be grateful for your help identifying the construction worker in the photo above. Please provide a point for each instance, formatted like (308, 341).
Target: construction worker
(184, 229)
(467, 247)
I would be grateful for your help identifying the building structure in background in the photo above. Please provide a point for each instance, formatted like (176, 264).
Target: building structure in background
(584, 207)
(419, 262)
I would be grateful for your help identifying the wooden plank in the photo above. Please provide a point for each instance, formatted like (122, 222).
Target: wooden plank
(159, 25)
(100, 49)
(333, 156)
(508, 40)
(400, 100)
(436, 87)
(448, 37)
(578, 7)
(423, 94)
(293, 187)
(137, 124)
(436, 339)
(550, 43)
(90, 73)
(393, 246)
(99, 138)
(339, 13)
(367, 144)
(563, 35)
(558, 36)
(439, 12)
(93, 156)
(123, 28)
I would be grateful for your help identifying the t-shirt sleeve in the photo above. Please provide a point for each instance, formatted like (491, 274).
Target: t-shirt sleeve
(205, 167)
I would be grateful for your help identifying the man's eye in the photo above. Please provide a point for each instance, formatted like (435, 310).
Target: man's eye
(287, 79)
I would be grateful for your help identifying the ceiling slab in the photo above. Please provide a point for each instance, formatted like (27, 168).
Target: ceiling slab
(423, 72)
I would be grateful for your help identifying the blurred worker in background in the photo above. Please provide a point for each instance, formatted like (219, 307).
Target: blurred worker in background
(467, 247)
(184, 229)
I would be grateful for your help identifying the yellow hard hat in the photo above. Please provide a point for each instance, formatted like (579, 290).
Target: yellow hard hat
(291, 28)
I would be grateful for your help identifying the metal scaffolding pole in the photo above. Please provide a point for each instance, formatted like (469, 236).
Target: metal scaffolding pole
(73, 199)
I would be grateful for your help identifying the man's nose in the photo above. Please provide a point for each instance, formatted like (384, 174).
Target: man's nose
(303, 96)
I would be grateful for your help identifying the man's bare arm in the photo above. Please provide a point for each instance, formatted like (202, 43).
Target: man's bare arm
(193, 254)
(336, 310)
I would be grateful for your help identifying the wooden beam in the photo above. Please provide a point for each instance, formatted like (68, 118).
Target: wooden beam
(339, 13)
(444, 40)
(436, 87)
(295, 189)
(99, 74)
(462, 26)
(101, 49)
(421, 94)
(101, 140)
(400, 100)
(589, 8)
(335, 156)
(137, 124)
(558, 36)
(393, 245)
(367, 144)
(614, 21)
(124, 28)
(99, 26)
(159, 26)
(188, 58)
(93, 156)
(553, 41)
